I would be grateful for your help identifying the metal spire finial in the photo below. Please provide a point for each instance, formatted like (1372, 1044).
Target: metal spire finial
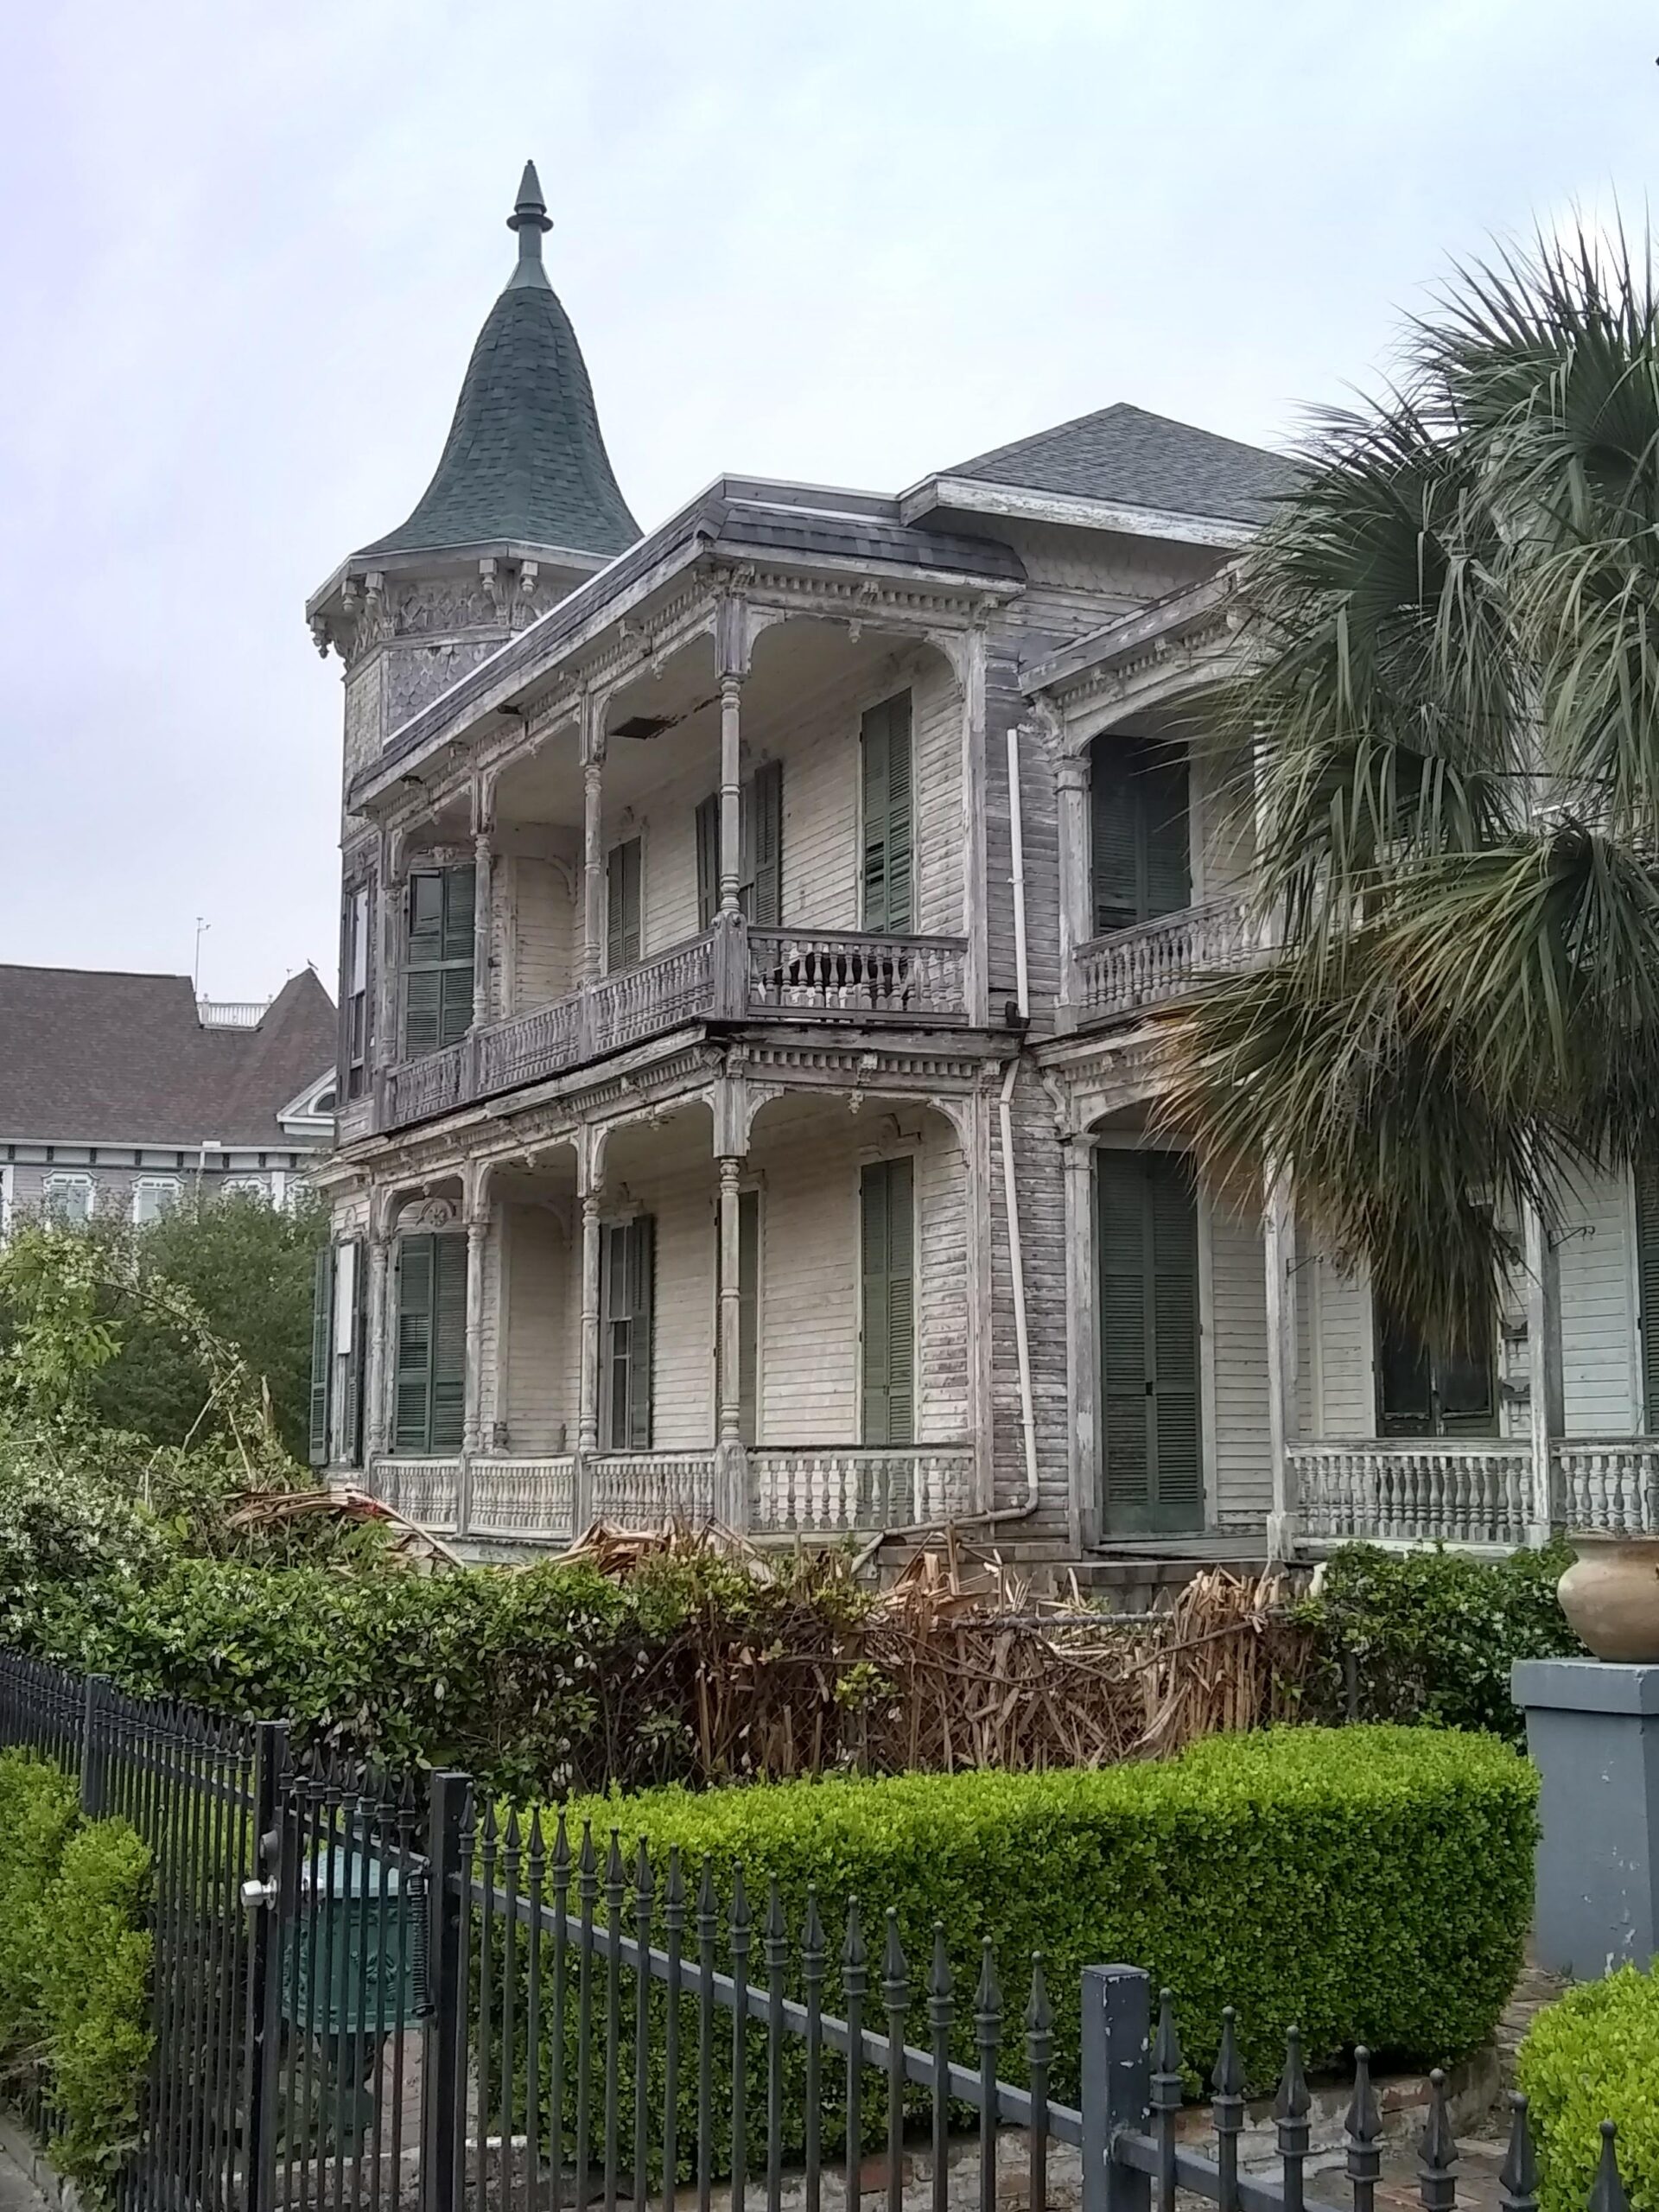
(530, 220)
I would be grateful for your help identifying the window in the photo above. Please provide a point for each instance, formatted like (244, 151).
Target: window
(760, 866)
(1140, 862)
(884, 756)
(154, 1197)
(66, 1200)
(1147, 1311)
(1424, 1391)
(626, 1304)
(623, 871)
(438, 958)
(354, 996)
(429, 1385)
(246, 1186)
(887, 1302)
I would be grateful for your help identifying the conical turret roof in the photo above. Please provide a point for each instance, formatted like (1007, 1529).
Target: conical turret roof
(524, 458)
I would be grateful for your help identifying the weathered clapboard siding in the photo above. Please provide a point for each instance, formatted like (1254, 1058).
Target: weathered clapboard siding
(809, 1278)
(1223, 828)
(1341, 1306)
(544, 932)
(1598, 1325)
(936, 712)
(942, 1380)
(1041, 1189)
(365, 713)
(1239, 1454)
(1077, 580)
(1005, 705)
(540, 1275)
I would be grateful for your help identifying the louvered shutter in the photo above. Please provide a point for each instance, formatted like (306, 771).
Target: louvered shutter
(622, 906)
(1179, 1485)
(1647, 1260)
(888, 1303)
(888, 817)
(708, 861)
(322, 1345)
(642, 1274)
(412, 1370)
(1125, 1339)
(1147, 1272)
(765, 798)
(1139, 842)
(1166, 867)
(749, 1312)
(438, 958)
(627, 1292)
(448, 1343)
(460, 893)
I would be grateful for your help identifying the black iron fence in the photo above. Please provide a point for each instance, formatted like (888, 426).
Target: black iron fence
(393, 1998)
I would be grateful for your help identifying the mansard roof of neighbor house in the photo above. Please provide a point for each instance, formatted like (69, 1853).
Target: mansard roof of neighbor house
(1124, 453)
(524, 458)
(89, 1056)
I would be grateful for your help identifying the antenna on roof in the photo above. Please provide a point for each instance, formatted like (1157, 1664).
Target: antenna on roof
(202, 929)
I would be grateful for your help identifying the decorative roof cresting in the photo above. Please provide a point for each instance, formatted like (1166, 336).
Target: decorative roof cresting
(525, 459)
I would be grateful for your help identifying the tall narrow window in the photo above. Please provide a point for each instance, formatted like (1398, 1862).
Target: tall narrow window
(887, 1282)
(323, 1337)
(1148, 1294)
(1139, 863)
(1422, 1391)
(354, 999)
(350, 1321)
(438, 958)
(887, 834)
(154, 1197)
(429, 1384)
(627, 1304)
(66, 1200)
(760, 867)
(623, 886)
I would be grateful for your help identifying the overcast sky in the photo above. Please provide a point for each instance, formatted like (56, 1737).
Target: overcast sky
(245, 251)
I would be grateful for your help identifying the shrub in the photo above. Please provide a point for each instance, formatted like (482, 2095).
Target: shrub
(1594, 2056)
(74, 1964)
(1325, 1878)
(1433, 1634)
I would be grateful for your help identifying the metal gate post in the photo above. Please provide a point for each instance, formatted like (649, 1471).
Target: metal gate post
(442, 2064)
(1117, 2083)
(270, 1896)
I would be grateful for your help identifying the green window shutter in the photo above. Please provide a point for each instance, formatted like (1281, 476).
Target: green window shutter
(627, 1292)
(448, 1343)
(888, 839)
(708, 861)
(1646, 1261)
(411, 1429)
(1139, 864)
(888, 1272)
(622, 906)
(1147, 1316)
(438, 956)
(322, 1345)
(765, 845)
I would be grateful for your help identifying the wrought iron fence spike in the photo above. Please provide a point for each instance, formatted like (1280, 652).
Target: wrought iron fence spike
(562, 1848)
(1364, 2119)
(988, 1996)
(674, 1898)
(894, 1968)
(812, 1939)
(1517, 2177)
(741, 1922)
(587, 1865)
(1039, 2013)
(514, 1840)
(1167, 2063)
(1607, 2192)
(1293, 2101)
(853, 1958)
(615, 1876)
(643, 1883)
(706, 1906)
(1228, 2079)
(777, 1928)
(491, 1826)
(939, 1985)
(1437, 2189)
(537, 1844)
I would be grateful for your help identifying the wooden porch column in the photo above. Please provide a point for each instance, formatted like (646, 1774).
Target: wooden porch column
(478, 1234)
(376, 1366)
(1278, 1243)
(732, 662)
(1072, 778)
(1081, 1340)
(593, 850)
(1544, 1369)
(731, 1458)
(483, 933)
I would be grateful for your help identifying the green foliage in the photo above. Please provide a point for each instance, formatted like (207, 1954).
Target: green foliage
(1304, 1876)
(74, 1964)
(56, 1331)
(74, 1552)
(1433, 1634)
(1594, 2056)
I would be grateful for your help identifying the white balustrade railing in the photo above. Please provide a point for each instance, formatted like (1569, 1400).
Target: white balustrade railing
(426, 1491)
(1159, 961)
(1608, 1486)
(659, 993)
(849, 973)
(532, 1500)
(1429, 1491)
(436, 1084)
(642, 1489)
(528, 1047)
(835, 1490)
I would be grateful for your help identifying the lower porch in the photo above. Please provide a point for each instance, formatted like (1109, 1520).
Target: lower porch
(1473, 1494)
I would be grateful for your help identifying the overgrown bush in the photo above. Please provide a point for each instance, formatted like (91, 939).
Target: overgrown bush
(1368, 1885)
(1433, 1634)
(74, 1965)
(1594, 2056)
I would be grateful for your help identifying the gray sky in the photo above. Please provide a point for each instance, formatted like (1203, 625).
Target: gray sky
(245, 251)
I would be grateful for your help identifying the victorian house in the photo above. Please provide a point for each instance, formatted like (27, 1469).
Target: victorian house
(752, 935)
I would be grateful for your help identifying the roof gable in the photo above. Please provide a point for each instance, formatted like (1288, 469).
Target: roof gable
(1126, 454)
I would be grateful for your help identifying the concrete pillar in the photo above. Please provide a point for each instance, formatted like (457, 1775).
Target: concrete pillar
(1278, 1243)
(1544, 1369)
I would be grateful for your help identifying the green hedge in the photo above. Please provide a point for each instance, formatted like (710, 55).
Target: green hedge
(1367, 1885)
(74, 1965)
(1594, 2056)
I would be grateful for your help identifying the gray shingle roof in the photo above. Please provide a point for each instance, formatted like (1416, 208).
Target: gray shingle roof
(92, 1057)
(1122, 453)
(524, 458)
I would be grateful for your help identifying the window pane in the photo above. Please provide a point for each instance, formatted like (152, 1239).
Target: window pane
(67, 1199)
(153, 1197)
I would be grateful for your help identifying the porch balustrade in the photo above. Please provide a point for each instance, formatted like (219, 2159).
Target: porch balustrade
(1609, 1486)
(426, 1491)
(822, 1492)
(642, 1489)
(532, 1500)
(1156, 961)
(777, 974)
(1427, 1490)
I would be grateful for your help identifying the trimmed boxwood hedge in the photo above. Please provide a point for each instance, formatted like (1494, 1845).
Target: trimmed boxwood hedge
(1594, 2056)
(1369, 1885)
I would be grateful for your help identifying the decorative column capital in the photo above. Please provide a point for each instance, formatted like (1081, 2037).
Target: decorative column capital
(1071, 772)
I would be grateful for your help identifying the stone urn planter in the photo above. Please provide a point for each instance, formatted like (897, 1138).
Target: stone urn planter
(1610, 1596)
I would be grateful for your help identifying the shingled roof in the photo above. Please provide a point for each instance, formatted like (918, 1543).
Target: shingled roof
(1124, 453)
(93, 1056)
(524, 458)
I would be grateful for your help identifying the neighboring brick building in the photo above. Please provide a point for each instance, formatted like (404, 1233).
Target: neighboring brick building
(118, 1093)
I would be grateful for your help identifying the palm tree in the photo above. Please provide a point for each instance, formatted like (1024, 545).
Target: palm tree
(1454, 712)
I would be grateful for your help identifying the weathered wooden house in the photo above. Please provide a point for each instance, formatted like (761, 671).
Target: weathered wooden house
(748, 929)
